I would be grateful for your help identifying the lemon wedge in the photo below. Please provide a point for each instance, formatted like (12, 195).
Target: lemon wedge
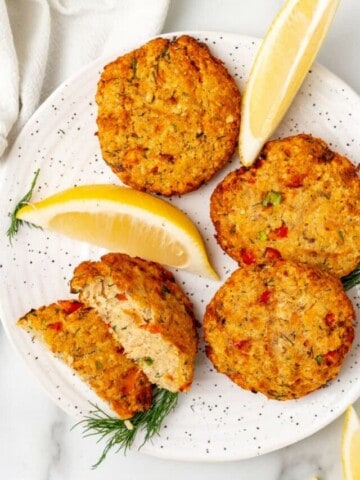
(123, 220)
(350, 445)
(280, 66)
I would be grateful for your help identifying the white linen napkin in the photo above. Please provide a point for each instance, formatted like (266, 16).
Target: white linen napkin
(43, 42)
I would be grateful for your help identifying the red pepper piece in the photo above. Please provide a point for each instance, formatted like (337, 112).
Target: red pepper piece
(265, 296)
(247, 256)
(281, 232)
(331, 357)
(330, 320)
(350, 335)
(242, 345)
(151, 328)
(58, 326)
(296, 181)
(69, 306)
(272, 253)
(121, 296)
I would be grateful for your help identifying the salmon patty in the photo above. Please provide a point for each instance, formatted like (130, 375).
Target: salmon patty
(149, 314)
(282, 328)
(168, 115)
(300, 199)
(78, 336)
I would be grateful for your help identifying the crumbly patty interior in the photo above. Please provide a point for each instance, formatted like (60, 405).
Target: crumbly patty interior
(79, 337)
(168, 115)
(159, 359)
(148, 312)
(300, 199)
(282, 329)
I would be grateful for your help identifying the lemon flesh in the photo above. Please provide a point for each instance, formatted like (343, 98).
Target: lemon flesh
(124, 220)
(280, 66)
(350, 445)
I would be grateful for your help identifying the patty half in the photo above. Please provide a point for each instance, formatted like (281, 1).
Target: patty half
(300, 199)
(282, 329)
(79, 337)
(168, 115)
(149, 313)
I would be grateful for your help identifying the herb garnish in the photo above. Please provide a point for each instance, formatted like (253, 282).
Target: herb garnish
(351, 279)
(15, 222)
(121, 433)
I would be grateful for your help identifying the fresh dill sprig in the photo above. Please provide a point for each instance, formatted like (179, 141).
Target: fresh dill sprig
(15, 222)
(121, 433)
(352, 279)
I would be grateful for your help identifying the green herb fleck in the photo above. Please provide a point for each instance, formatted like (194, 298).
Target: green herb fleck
(310, 352)
(341, 235)
(165, 54)
(133, 67)
(326, 195)
(287, 338)
(165, 290)
(148, 361)
(276, 394)
(319, 359)
(15, 223)
(272, 198)
(99, 365)
(121, 433)
(263, 236)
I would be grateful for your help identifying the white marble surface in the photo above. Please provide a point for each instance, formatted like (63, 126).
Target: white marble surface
(35, 438)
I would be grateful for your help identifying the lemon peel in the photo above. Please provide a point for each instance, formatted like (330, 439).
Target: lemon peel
(350, 445)
(280, 66)
(124, 220)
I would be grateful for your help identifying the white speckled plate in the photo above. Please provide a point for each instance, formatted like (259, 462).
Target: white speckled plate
(216, 420)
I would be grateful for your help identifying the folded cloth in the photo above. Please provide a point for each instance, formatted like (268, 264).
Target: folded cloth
(43, 42)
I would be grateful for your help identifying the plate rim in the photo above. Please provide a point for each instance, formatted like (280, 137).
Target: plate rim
(44, 106)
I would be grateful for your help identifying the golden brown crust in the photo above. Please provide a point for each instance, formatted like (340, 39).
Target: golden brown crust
(147, 294)
(79, 337)
(282, 329)
(313, 215)
(168, 116)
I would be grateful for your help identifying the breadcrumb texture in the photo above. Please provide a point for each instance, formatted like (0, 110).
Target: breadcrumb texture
(168, 115)
(300, 199)
(149, 314)
(78, 336)
(282, 329)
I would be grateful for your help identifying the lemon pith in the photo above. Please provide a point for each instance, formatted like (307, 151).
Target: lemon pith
(125, 220)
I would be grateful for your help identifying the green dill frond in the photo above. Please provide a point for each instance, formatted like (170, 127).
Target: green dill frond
(15, 223)
(352, 279)
(122, 433)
